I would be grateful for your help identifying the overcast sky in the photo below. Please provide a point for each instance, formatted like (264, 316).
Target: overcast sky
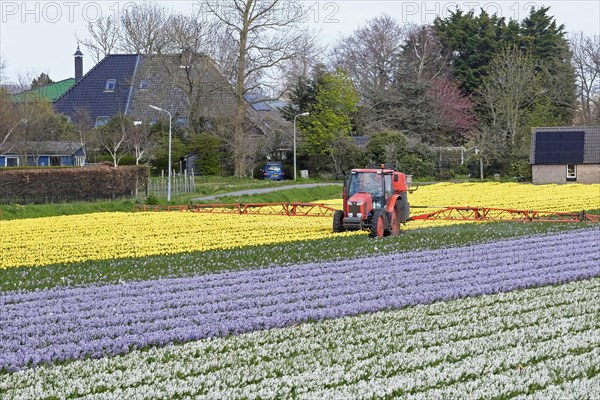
(39, 36)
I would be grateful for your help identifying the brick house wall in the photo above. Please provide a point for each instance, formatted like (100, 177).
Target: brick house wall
(586, 173)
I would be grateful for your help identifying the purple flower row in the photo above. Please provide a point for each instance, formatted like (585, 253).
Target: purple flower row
(72, 323)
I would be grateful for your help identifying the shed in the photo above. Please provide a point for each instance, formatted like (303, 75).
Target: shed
(565, 154)
(43, 154)
(187, 164)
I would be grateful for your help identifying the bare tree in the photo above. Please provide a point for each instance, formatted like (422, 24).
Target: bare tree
(9, 122)
(371, 54)
(423, 51)
(104, 36)
(83, 122)
(2, 68)
(586, 62)
(265, 36)
(508, 92)
(144, 28)
(113, 136)
(191, 33)
(307, 54)
(24, 80)
(140, 141)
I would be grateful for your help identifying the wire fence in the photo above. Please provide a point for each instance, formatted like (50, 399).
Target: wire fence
(182, 183)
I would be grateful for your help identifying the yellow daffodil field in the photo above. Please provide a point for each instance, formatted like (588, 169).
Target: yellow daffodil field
(52, 240)
(186, 305)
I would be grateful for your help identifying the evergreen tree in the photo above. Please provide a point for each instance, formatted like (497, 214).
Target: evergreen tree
(41, 80)
(471, 42)
(304, 94)
(546, 42)
(407, 107)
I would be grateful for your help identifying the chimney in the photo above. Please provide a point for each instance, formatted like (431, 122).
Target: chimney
(78, 64)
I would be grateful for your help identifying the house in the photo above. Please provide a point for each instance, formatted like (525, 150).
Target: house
(43, 154)
(188, 85)
(565, 154)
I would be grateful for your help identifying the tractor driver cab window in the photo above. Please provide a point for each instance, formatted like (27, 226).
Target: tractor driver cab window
(388, 185)
(368, 182)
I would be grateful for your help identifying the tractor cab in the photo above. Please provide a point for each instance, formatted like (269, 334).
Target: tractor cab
(363, 184)
(374, 199)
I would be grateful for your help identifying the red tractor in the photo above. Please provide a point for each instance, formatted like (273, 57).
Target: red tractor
(374, 199)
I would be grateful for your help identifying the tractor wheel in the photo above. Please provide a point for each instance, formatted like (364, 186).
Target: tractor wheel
(338, 221)
(395, 223)
(378, 224)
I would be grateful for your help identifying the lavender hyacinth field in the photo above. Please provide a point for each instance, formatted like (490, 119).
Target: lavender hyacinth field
(464, 329)
(96, 321)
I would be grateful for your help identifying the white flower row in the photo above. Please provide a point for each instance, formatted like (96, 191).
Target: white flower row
(537, 342)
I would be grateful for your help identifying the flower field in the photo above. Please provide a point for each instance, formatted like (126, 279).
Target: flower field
(495, 310)
(44, 241)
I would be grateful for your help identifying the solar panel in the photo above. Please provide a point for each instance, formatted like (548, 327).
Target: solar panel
(261, 106)
(559, 147)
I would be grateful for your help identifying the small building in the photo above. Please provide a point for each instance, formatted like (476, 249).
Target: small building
(187, 164)
(565, 154)
(43, 154)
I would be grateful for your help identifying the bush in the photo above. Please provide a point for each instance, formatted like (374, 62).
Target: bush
(151, 200)
(444, 174)
(208, 149)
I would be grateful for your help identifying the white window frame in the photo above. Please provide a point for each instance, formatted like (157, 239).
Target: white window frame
(181, 121)
(99, 120)
(12, 158)
(110, 85)
(572, 176)
(79, 161)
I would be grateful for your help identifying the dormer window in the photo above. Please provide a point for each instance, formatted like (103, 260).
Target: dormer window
(182, 121)
(100, 121)
(110, 85)
(144, 84)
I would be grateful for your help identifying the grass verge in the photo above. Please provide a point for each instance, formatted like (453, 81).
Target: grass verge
(17, 211)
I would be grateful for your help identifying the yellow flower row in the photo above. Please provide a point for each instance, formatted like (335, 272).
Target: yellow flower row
(51, 240)
(572, 197)
(518, 196)
(97, 236)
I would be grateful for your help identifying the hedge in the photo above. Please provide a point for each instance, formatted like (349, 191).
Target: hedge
(52, 185)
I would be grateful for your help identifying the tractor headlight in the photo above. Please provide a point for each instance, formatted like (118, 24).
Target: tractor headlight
(358, 203)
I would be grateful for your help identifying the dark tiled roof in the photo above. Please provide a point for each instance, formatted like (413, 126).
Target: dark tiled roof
(168, 88)
(49, 148)
(591, 146)
(90, 94)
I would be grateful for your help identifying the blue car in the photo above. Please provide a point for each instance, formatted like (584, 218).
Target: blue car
(273, 171)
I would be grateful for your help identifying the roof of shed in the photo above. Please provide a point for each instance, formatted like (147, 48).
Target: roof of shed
(47, 148)
(591, 146)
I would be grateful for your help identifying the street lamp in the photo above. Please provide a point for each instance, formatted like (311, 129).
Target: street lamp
(169, 174)
(299, 115)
